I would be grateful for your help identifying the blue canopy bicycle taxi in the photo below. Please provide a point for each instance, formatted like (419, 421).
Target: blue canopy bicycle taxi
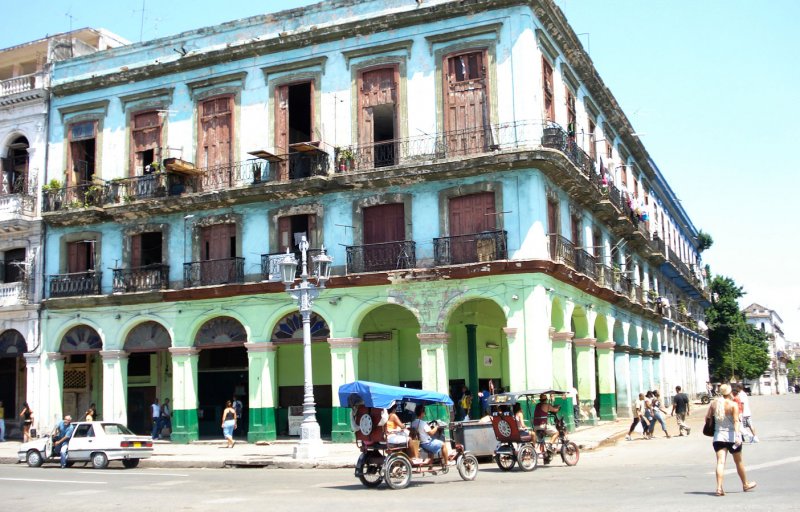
(394, 458)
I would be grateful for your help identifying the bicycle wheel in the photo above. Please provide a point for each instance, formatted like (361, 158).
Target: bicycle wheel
(504, 457)
(527, 458)
(570, 453)
(397, 472)
(467, 466)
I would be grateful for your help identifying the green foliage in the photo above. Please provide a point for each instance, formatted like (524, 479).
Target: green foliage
(704, 241)
(793, 370)
(735, 349)
(53, 186)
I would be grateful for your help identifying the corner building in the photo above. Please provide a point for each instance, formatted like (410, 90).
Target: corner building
(489, 213)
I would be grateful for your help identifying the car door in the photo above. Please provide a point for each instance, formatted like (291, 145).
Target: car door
(82, 443)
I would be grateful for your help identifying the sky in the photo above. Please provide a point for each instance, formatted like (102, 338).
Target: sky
(711, 86)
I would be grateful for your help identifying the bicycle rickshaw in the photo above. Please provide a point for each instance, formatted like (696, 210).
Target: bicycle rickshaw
(395, 463)
(525, 446)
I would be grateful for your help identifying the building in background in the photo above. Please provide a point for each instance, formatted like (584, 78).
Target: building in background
(490, 212)
(24, 101)
(774, 381)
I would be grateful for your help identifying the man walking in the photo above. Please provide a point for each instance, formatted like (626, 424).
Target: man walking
(680, 408)
(155, 412)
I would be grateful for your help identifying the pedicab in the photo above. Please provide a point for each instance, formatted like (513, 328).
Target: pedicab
(514, 444)
(395, 463)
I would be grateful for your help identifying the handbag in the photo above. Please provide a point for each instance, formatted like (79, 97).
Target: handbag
(708, 427)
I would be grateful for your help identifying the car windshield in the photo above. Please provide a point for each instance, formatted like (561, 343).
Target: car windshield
(115, 429)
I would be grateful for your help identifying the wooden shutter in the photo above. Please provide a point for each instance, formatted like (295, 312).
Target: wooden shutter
(466, 106)
(547, 85)
(473, 213)
(216, 120)
(282, 129)
(136, 251)
(311, 235)
(384, 223)
(376, 87)
(145, 134)
(285, 234)
(576, 231)
(79, 257)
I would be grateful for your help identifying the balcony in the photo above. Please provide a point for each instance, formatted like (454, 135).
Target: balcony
(381, 257)
(12, 294)
(472, 248)
(20, 84)
(213, 272)
(561, 250)
(141, 279)
(270, 264)
(605, 276)
(73, 198)
(74, 285)
(585, 264)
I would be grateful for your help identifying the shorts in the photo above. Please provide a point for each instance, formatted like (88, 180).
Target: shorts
(433, 447)
(548, 430)
(721, 445)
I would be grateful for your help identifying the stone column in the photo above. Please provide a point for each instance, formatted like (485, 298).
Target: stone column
(185, 426)
(607, 384)
(562, 373)
(344, 369)
(635, 372)
(587, 392)
(622, 373)
(33, 374)
(115, 386)
(517, 374)
(433, 354)
(54, 395)
(262, 382)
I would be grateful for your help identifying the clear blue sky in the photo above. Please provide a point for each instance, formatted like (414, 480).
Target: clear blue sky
(711, 84)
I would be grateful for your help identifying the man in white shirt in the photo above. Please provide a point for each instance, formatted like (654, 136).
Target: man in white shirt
(155, 412)
(426, 442)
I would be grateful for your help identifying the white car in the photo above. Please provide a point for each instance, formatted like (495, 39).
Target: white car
(97, 442)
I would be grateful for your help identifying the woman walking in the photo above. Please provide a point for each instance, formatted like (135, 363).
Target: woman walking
(638, 411)
(27, 421)
(229, 423)
(727, 437)
(658, 413)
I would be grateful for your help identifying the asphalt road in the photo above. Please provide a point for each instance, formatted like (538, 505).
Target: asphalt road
(660, 474)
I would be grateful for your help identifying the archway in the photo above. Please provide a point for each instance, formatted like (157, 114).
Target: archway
(149, 373)
(477, 352)
(287, 335)
(13, 373)
(15, 168)
(222, 373)
(83, 371)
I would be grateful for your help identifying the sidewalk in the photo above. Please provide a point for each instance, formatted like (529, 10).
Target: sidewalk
(279, 454)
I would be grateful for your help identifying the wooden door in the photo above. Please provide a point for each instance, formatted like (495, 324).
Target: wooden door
(80, 257)
(553, 228)
(470, 215)
(377, 87)
(384, 224)
(282, 129)
(216, 131)
(146, 136)
(217, 252)
(466, 105)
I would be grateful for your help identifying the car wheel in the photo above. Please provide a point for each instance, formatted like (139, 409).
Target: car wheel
(467, 466)
(130, 463)
(34, 458)
(527, 457)
(99, 460)
(705, 399)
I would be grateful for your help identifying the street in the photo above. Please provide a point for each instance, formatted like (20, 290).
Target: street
(660, 474)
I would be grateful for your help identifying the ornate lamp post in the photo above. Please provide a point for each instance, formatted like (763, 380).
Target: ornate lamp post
(305, 292)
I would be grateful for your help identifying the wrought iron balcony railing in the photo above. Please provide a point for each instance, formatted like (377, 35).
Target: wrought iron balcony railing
(472, 248)
(585, 263)
(235, 175)
(140, 279)
(605, 276)
(382, 256)
(211, 272)
(75, 284)
(125, 190)
(270, 264)
(561, 250)
(73, 198)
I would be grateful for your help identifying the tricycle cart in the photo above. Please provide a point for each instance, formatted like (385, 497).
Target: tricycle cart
(395, 463)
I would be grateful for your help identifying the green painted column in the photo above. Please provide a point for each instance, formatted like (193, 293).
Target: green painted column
(606, 381)
(344, 369)
(433, 358)
(472, 369)
(585, 362)
(185, 428)
(53, 396)
(562, 373)
(262, 383)
(114, 406)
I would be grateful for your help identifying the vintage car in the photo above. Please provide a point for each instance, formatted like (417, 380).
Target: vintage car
(97, 442)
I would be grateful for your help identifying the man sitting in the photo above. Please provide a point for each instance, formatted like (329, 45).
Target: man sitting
(61, 438)
(426, 442)
(540, 417)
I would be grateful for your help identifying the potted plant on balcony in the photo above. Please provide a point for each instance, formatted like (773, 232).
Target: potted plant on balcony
(345, 158)
(52, 194)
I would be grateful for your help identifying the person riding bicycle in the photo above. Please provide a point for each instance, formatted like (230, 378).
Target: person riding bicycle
(540, 417)
(426, 442)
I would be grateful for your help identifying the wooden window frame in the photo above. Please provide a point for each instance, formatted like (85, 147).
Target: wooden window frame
(548, 91)
(200, 117)
(134, 131)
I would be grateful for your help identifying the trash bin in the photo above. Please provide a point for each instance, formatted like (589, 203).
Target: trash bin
(478, 438)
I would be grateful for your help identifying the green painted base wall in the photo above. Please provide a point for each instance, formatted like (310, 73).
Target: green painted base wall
(566, 411)
(340, 429)
(324, 418)
(185, 427)
(608, 406)
(261, 425)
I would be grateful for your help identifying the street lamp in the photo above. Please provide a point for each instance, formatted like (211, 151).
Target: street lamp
(305, 292)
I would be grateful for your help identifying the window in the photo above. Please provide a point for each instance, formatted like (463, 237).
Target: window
(218, 242)
(547, 85)
(13, 266)
(466, 108)
(294, 124)
(571, 115)
(216, 127)
(292, 228)
(146, 249)
(83, 431)
(609, 149)
(145, 142)
(378, 100)
(81, 152)
(592, 142)
(80, 256)
(15, 168)
(575, 226)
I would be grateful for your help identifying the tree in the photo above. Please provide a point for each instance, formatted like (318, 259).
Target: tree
(735, 349)
(704, 241)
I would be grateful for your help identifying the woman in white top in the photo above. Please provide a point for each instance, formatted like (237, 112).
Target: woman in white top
(727, 437)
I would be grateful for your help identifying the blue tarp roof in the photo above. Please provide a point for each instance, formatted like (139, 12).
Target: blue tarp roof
(382, 395)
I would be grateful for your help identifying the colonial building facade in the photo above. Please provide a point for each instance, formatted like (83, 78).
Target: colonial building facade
(24, 102)
(489, 212)
(775, 379)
